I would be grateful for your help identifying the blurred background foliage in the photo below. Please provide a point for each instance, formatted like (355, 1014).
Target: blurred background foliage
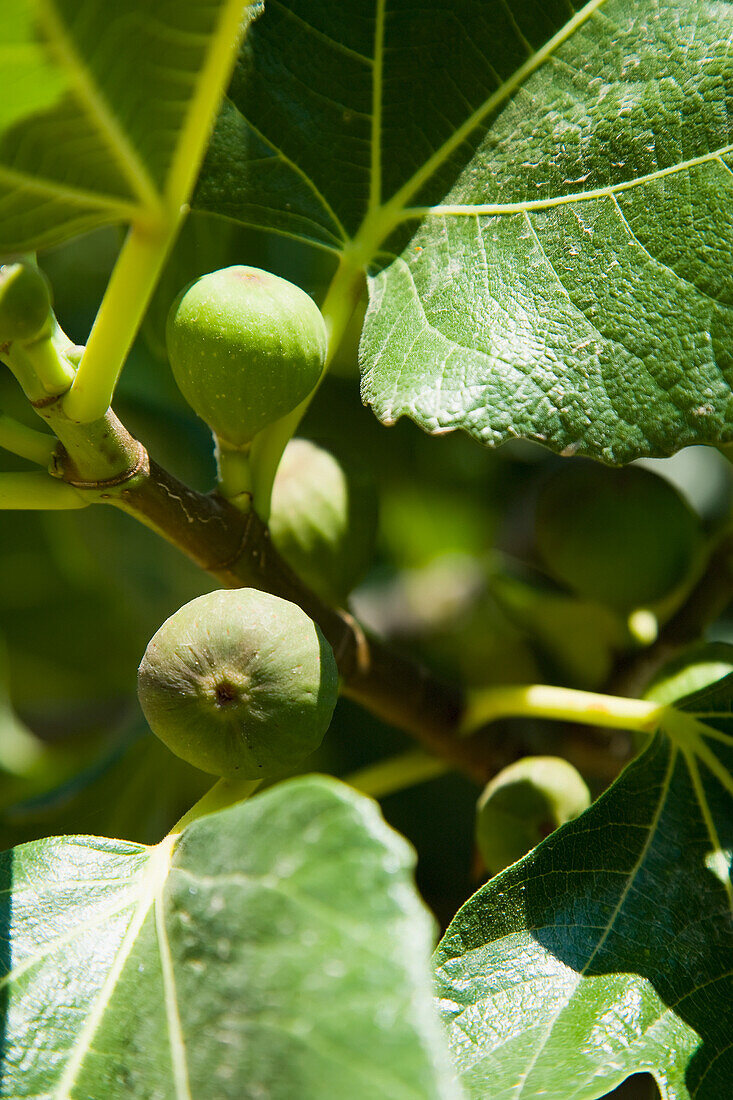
(456, 578)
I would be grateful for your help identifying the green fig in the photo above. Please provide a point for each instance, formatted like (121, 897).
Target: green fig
(25, 303)
(239, 683)
(523, 804)
(245, 348)
(625, 538)
(323, 519)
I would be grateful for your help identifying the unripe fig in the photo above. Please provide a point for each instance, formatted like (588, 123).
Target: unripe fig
(245, 348)
(323, 519)
(25, 303)
(625, 538)
(523, 804)
(239, 683)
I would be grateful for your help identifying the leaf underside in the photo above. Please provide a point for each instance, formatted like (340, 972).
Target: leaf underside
(278, 949)
(609, 949)
(93, 111)
(565, 174)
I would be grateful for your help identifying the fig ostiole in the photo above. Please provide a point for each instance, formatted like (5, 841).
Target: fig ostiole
(523, 804)
(323, 519)
(240, 683)
(245, 347)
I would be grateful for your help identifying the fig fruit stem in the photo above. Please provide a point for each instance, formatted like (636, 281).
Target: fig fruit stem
(561, 704)
(224, 793)
(126, 298)
(26, 442)
(342, 297)
(41, 366)
(234, 474)
(397, 773)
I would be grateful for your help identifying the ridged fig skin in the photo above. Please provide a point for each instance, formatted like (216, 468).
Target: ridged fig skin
(625, 538)
(523, 804)
(239, 683)
(323, 519)
(245, 347)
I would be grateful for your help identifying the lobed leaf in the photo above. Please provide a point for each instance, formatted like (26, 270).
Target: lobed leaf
(608, 950)
(275, 949)
(565, 172)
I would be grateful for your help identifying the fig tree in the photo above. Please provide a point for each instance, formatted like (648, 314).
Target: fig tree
(245, 348)
(239, 683)
(625, 537)
(323, 519)
(523, 804)
(25, 303)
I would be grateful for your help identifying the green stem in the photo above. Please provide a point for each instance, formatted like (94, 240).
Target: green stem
(26, 442)
(339, 304)
(397, 773)
(234, 474)
(561, 704)
(129, 290)
(267, 451)
(226, 792)
(38, 491)
(41, 367)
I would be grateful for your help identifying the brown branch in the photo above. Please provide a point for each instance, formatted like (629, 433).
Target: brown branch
(104, 460)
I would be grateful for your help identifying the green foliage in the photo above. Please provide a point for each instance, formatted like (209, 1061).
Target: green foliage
(523, 804)
(180, 969)
(558, 173)
(245, 347)
(625, 537)
(535, 200)
(620, 926)
(81, 143)
(323, 519)
(240, 684)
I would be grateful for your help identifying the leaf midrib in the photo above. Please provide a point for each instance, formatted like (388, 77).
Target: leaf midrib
(98, 111)
(653, 825)
(150, 887)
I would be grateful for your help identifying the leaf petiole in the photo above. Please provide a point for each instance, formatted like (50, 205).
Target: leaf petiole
(129, 290)
(561, 704)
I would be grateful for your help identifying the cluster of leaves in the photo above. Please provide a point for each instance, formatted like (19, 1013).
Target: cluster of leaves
(538, 196)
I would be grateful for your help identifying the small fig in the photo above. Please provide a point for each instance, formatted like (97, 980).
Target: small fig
(323, 519)
(239, 683)
(25, 303)
(523, 804)
(245, 348)
(625, 537)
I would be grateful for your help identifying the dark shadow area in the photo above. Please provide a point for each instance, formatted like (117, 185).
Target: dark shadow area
(641, 1086)
(6, 882)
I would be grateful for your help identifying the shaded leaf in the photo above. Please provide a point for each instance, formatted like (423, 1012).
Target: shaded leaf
(275, 949)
